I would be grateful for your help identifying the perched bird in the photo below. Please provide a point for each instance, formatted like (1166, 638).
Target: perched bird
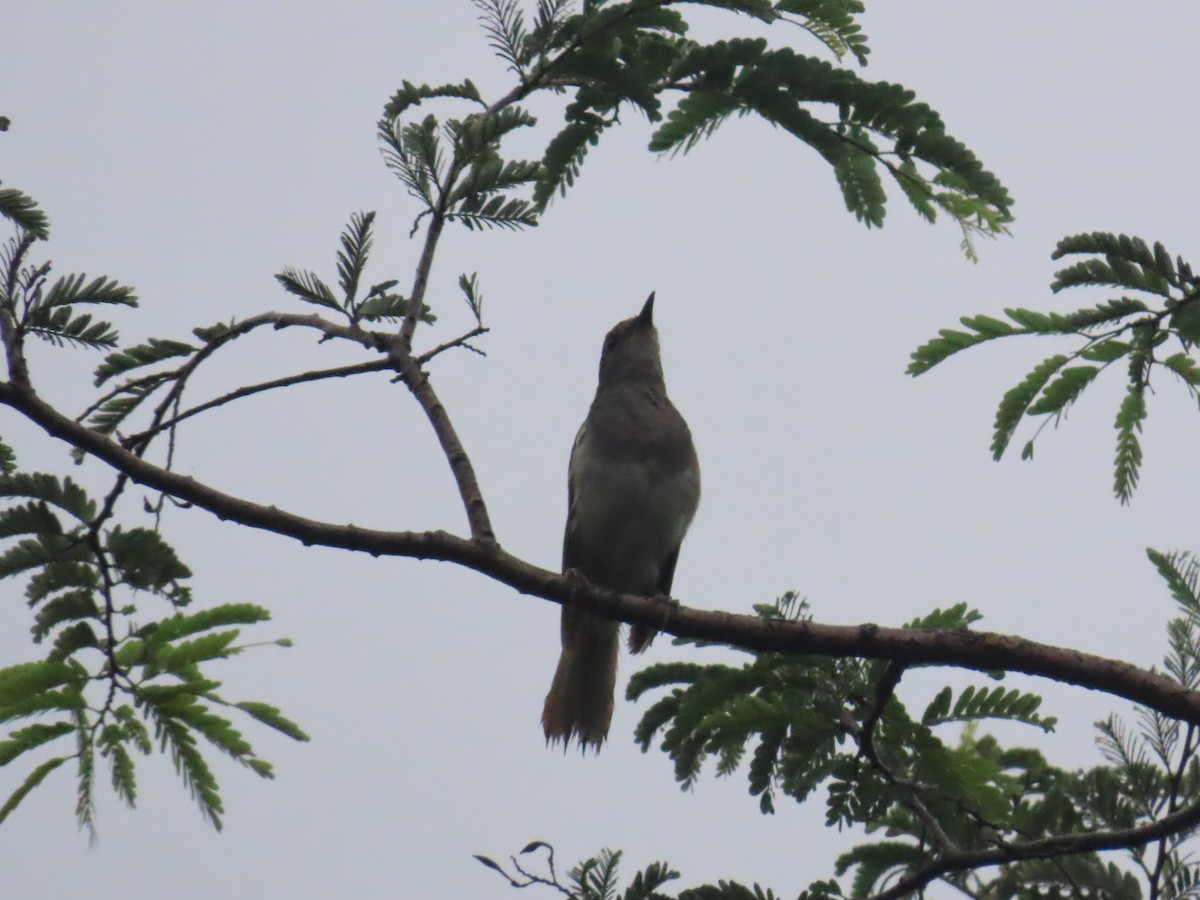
(633, 487)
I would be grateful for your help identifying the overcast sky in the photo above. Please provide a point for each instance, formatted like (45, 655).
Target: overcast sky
(192, 150)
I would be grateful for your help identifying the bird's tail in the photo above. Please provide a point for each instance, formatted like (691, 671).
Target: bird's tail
(580, 702)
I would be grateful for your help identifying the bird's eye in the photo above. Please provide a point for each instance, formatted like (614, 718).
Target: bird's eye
(610, 340)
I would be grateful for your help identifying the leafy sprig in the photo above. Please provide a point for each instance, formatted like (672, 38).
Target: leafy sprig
(35, 306)
(1133, 330)
(379, 303)
(636, 55)
(112, 677)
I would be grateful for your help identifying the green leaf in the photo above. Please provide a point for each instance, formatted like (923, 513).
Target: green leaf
(212, 334)
(218, 730)
(645, 884)
(1128, 462)
(859, 180)
(72, 638)
(474, 297)
(1185, 319)
(962, 773)
(413, 152)
(271, 717)
(988, 326)
(477, 137)
(191, 766)
(124, 778)
(352, 258)
(85, 803)
(23, 211)
(411, 95)
(73, 289)
(916, 188)
(939, 707)
(564, 156)
(1184, 366)
(1129, 262)
(30, 737)
(728, 890)
(1181, 572)
(145, 560)
(1101, 314)
(109, 416)
(36, 777)
(488, 175)
(957, 616)
(68, 607)
(1017, 400)
(384, 307)
(185, 624)
(833, 23)
(58, 576)
(308, 287)
(29, 518)
(872, 863)
(154, 350)
(980, 703)
(59, 326)
(695, 118)
(1063, 390)
(1106, 351)
(946, 344)
(63, 493)
(180, 658)
(69, 699)
(44, 550)
(497, 211)
(133, 729)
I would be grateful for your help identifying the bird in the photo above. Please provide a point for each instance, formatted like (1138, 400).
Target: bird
(633, 488)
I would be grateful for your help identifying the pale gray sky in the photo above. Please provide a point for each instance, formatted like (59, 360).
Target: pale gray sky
(194, 149)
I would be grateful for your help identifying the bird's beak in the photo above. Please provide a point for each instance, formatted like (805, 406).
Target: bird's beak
(646, 316)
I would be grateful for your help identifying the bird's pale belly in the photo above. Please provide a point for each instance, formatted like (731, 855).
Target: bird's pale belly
(632, 520)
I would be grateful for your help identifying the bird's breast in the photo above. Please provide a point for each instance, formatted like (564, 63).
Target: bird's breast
(628, 515)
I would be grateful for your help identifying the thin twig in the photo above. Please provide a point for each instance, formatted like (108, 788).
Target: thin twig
(1176, 779)
(127, 387)
(883, 692)
(910, 791)
(450, 345)
(378, 365)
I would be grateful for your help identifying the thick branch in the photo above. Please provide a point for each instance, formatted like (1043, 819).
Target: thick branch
(960, 647)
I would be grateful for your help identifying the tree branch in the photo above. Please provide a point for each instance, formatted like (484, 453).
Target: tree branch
(398, 357)
(418, 383)
(909, 791)
(959, 647)
(378, 365)
(1045, 848)
(14, 350)
(460, 341)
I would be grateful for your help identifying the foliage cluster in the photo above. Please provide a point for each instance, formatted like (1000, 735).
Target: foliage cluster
(951, 803)
(1137, 332)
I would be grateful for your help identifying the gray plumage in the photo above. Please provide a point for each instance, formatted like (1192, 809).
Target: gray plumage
(633, 487)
